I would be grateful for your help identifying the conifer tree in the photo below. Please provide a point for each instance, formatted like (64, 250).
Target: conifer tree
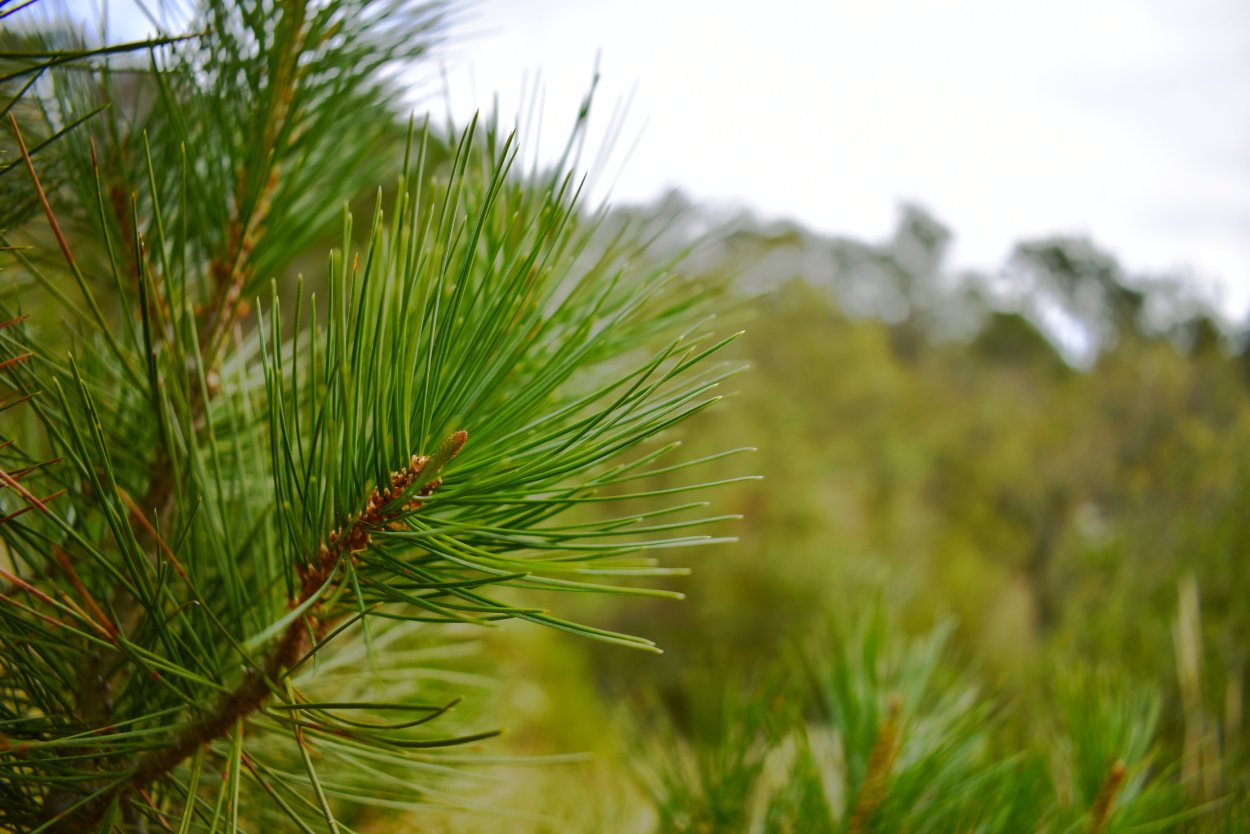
(235, 508)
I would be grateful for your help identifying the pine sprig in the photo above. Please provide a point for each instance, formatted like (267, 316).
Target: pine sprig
(867, 731)
(246, 508)
(532, 450)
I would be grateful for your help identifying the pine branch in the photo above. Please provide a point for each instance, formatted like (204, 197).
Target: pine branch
(231, 268)
(487, 301)
(407, 487)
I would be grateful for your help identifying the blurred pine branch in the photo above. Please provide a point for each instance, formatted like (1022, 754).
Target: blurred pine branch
(868, 731)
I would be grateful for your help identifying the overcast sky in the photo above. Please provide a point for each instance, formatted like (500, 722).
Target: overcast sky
(1127, 120)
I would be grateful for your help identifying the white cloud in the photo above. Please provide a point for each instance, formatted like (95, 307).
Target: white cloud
(1127, 120)
(1122, 119)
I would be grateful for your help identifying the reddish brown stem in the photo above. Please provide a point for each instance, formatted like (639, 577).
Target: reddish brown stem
(384, 506)
(876, 784)
(1100, 811)
(43, 198)
(62, 559)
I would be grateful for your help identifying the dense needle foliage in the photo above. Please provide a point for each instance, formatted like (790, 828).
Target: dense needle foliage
(227, 532)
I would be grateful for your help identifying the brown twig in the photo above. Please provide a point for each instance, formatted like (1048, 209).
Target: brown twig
(230, 270)
(43, 198)
(384, 507)
(40, 504)
(14, 321)
(62, 559)
(1100, 810)
(876, 784)
(136, 512)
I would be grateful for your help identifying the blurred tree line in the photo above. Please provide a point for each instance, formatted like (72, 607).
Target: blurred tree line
(1051, 453)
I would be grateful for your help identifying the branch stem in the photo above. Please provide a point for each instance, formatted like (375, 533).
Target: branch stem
(385, 506)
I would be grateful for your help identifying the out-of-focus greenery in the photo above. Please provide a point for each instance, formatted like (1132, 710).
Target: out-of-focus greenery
(955, 453)
(1054, 458)
(890, 735)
